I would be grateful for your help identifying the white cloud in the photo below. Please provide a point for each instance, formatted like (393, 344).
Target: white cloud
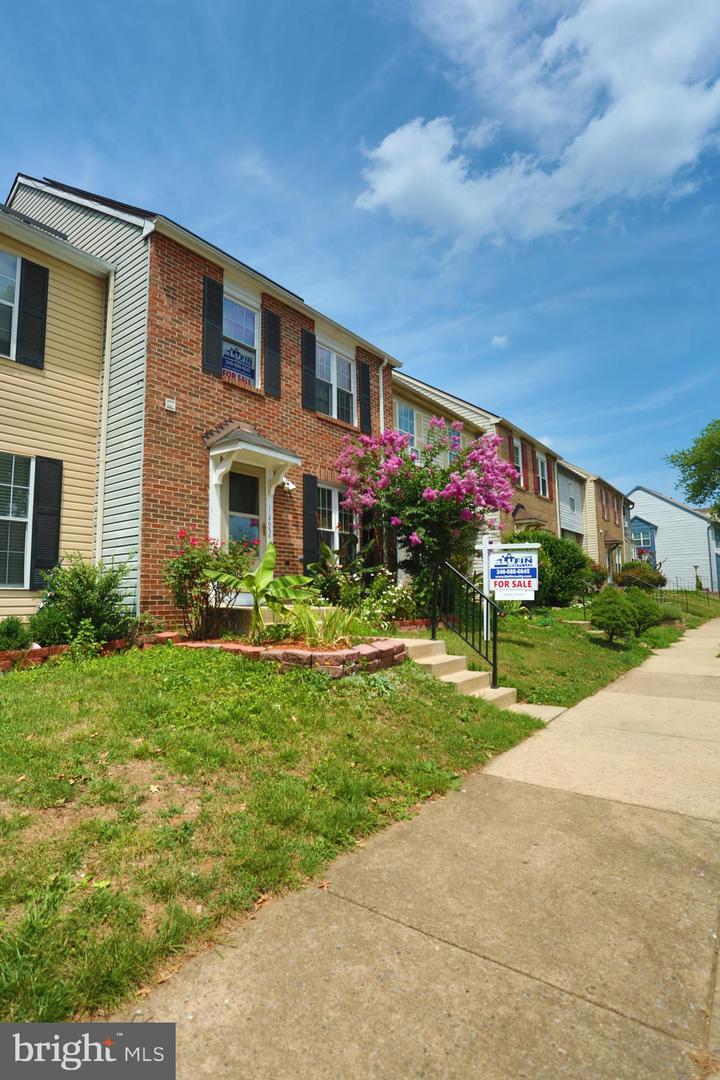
(607, 100)
(500, 341)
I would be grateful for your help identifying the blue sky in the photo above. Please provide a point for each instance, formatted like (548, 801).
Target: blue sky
(518, 199)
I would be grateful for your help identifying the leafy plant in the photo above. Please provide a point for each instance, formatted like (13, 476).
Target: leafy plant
(338, 582)
(647, 611)
(275, 592)
(612, 612)
(204, 600)
(637, 572)
(334, 626)
(83, 591)
(699, 468)
(84, 644)
(386, 600)
(14, 633)
(48, 626)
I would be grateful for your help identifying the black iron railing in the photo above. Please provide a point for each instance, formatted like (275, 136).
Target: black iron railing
(467, 611)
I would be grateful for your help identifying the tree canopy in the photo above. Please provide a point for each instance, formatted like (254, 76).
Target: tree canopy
(699, 468)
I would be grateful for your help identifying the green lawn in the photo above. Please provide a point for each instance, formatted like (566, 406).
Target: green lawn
(146, 796)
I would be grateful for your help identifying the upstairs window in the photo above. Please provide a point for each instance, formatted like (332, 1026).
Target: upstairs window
(517, 461)
(642, 538)
(542, 475)
(616, 509)
(15, 517)
(240, 342)
(336, 525)
(604, 503)
(334, 385)
(9, 290)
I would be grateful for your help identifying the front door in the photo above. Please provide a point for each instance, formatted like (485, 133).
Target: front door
(246, 507)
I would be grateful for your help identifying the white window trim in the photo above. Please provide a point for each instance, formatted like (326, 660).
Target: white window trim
(232, 292)
(517, 445)
(323, 343)
(28, 521)
(413, 434)
(542, 460)
(337, 495)
(14, 307)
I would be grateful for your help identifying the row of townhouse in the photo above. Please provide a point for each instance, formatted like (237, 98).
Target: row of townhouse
(683, 541)
(150, 381)
(551, 494)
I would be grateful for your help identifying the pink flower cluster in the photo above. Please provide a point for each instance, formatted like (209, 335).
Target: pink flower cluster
(380, 468)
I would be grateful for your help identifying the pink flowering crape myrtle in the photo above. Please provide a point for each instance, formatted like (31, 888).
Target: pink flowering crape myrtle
(435, 496)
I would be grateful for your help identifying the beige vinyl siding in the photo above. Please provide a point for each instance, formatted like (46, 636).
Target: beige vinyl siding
(53, 412)
(124, 244)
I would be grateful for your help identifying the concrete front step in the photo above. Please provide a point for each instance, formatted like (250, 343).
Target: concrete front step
(502, 696)
(467, 682)
(417, 648)
(441, 665)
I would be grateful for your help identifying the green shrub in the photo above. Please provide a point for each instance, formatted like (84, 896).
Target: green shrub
(641, 574)
(670, 612)
(647, 611)
(564, 571)
(205, 604)
(612, 612)
(82, 591)
(337, 626)
(48, 626)
(14, 633)
(84, 645)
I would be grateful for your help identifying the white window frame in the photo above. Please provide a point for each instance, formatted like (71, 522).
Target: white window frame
(28, 521)
(237, 296)
(335, 353)
(542, 476)
(413, 413)
(337, 495)
(638, 541)
(517, 460)
(14, 306)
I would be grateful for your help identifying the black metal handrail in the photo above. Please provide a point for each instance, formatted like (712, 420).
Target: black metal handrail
(461, 606)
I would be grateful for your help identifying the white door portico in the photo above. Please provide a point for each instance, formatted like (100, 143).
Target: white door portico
(236, 446)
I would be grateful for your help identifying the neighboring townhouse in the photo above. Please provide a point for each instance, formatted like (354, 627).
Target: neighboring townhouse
(414, 402)
(228, 396)
(606, 527)
(571, 484)
(685, 541)
(643, 534)
(52, 319)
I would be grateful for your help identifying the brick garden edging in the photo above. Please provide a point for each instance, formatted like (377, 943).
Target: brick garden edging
(381, 653)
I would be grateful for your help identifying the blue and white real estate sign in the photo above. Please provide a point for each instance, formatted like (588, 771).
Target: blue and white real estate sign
(514, 574)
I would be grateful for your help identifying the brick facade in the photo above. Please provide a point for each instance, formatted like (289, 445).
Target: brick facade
(175, 490)
(535, 506)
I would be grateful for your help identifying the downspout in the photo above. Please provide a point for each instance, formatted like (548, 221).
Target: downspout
(381, 394)
(710, 535)
(104, 409)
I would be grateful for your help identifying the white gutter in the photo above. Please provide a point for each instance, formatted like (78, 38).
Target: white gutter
(104, 406)
(381, 394)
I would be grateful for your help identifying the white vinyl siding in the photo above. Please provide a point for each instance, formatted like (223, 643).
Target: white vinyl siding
(122, 244)
(571, 500)
(681, 540)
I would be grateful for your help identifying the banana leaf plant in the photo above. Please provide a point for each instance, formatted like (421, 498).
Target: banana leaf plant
(275, 592)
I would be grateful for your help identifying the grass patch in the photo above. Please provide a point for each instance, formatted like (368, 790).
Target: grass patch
(146, 796)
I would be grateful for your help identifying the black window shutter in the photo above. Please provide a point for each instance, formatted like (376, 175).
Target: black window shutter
(271, 339)
(311, 547)
(308, 370)
(365, 410)
(212, 326)
(46, 518)
(32, 314)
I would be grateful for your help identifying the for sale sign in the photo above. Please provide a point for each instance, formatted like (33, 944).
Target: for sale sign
(514, 574)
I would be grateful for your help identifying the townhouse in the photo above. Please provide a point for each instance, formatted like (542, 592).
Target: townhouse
(605, 520)
(226, 396)
(52, 343)
(682, 540)
(414, 402)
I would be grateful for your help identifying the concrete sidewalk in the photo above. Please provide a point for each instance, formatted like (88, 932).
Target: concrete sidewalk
(558, 917)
